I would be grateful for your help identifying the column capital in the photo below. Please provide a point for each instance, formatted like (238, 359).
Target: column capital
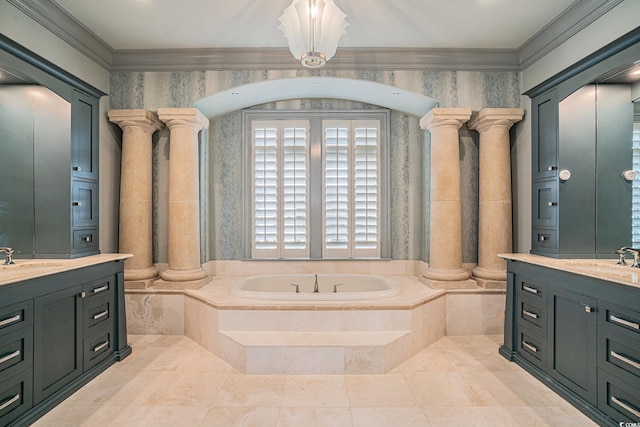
(437, 117)
(489, 117)
(145, 119)
(191, 117)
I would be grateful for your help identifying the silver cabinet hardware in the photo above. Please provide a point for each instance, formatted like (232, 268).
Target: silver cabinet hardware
(564, 174)
(77, 168)
(101, 346)
(552, 168)
(8, 403)
(625, 406)
(100, 315)
(86, 239)
(551, 204)
(624, 322)
(10, 320)
(76, 204)
(588, 309)
(529, 346)
(10, 356)
(542, 238)
(83, 294)
(101, 289)
(297, 287)
(530, 314)
(629, 175)
(529, 289)
(624, 359)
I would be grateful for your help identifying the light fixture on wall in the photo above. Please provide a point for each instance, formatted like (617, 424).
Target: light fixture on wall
(313, 28)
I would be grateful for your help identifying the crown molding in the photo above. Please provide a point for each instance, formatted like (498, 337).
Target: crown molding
(345, 59)
(55, 19)
(579, 16)
(51, 16)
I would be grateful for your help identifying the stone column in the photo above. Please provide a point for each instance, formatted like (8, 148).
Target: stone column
(495, 216)
(135, 237)
(445, 223)
(185, 270)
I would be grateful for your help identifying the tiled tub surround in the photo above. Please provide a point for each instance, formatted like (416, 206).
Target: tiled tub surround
(320, 337)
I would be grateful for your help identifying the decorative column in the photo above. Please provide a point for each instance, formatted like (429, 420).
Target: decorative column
(185, 270)
(135, 237)
(495, 216)
(445, 223)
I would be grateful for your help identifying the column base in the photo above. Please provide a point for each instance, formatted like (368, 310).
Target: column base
(140, 278)
(490, 284)
(446, 275)
(182, 279)
(449, 284)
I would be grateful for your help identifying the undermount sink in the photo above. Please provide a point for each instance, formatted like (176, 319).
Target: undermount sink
(28, 265)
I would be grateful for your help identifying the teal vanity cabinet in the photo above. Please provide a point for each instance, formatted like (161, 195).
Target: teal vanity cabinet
(48, 159)
(57, 332)
(582, 125)
(579, 335)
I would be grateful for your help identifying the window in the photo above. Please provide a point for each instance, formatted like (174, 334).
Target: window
(317, 185)
(635, 188)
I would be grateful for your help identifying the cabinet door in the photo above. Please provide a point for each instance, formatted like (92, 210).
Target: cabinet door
(57, 341)
(84, 144)
(545, 135)
(572, 341)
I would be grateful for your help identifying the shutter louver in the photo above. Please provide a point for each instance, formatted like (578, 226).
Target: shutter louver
(336, 188)
(295, 188)
(266, 189)
(366, 188)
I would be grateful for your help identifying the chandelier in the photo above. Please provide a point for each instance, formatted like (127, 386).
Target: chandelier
(312, 29)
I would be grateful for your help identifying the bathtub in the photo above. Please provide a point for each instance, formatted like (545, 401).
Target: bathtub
(283, 287)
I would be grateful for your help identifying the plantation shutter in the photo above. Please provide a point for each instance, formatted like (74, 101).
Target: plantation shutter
(280, 158)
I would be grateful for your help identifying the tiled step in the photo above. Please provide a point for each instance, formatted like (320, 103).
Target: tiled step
(314, 353)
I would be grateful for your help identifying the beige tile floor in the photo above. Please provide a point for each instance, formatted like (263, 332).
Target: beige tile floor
(457, 381)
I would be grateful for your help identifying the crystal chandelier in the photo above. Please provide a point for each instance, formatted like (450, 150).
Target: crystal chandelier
(313, 28)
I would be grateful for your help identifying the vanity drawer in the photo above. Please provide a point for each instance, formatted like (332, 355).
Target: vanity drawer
(16, 352)
(15, 317)
(533, 316)
(532, 347)
(16, 396)
(618, 354)
(98, 314)
(98, 347)
(98, 289)
(85, 240)
(535, 293)
(617, 398)
(620, 319)
(544, 238)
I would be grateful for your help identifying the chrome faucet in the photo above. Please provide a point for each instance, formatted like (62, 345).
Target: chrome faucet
(621, 253)
(8, 252)
(635, 253)
(315, 285)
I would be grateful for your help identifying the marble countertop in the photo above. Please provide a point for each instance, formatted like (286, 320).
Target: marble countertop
(25, 269)
(603, 269)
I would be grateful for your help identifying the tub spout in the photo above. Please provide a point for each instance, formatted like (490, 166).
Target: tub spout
(315, 285)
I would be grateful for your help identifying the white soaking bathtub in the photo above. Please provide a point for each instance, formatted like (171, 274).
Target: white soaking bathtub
(283, 287)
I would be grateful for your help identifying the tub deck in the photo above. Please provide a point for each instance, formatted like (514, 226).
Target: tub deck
(314, 337)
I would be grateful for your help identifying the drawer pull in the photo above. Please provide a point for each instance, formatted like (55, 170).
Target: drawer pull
(8, 403)
(625, 359)
(100, 289)
(530, 346)
(76, 203)
(552, 204)
(86, 238)
(101, 346)
(624, 322)
(552, 168)
(625, 406)
(530, 314)
(77, 168)
(10, 320)
(530, 289)
(10, 356)
(100, 315)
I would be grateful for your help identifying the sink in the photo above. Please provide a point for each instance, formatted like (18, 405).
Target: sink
(27, 265)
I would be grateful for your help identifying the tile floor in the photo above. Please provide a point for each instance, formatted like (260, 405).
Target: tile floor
(457, 381)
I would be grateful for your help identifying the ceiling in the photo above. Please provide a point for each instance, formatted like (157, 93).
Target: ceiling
(459, 24)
